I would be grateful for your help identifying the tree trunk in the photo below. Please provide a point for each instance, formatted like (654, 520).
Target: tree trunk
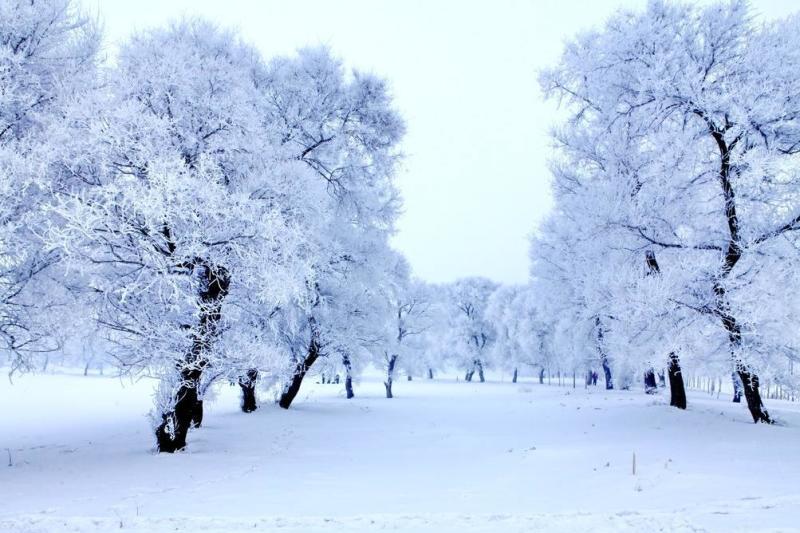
(348, 376)
(171, 434)
(748, 378)
(607, 373)
(430, 373)
(469, 374)
(753, 396)
(197, 413)
(390, 376)
(514, 376)
(479, 364)
(188, 410)
(677, 391)
(650, 385)
(737, 388)
(248, 385)
(291, 389)
(541, 376)
(733, 254)
(409, 377)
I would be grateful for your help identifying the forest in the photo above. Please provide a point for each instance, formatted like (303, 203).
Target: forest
(198, 216)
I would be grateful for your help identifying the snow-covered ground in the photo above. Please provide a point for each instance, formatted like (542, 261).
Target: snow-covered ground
(442, 456)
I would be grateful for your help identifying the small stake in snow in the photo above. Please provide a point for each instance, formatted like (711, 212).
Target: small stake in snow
(634, 463)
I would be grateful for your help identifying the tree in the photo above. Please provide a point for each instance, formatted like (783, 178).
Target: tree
(178, 221)
(47, 59)
(342, 128)
(520, 335)
(471, 333)
(407, 319)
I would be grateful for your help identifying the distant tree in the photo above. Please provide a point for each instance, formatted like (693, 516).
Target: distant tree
(407, 320)
(471, 332)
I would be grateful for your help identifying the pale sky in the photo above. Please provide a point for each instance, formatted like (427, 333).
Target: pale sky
(463, 73)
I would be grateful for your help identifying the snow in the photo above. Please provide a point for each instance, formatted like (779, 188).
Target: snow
(442, 456)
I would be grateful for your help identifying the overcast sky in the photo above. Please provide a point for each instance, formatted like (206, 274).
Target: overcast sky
(463, 74)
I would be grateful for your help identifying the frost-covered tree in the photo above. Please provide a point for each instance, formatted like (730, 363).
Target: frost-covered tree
(521, 338)
(342, 128)
(47, 59)
(181, 221)
(684, 120)
(502, 315)
(408, 317)
(434, 344)
(567, 282)
(471, 333)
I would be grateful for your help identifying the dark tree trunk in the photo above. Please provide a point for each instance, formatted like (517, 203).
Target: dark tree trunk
(202, 387)
(541, 376)
(389, 376)
(248, 385)
(514, 376)
(197, 414)
(737, 388)
(469, 374)
(753, 396)
(348, 376)
(677, 391)
(748, 378)
(171, 433)
(733, 254)
(479, 364)
(607, 373)
(650, 385)
(291, 389)
(410, 378)
(430, 373)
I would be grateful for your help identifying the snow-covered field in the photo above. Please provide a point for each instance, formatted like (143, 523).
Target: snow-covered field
(442, 456)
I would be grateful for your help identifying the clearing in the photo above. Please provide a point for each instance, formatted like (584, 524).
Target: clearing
(442, 456)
